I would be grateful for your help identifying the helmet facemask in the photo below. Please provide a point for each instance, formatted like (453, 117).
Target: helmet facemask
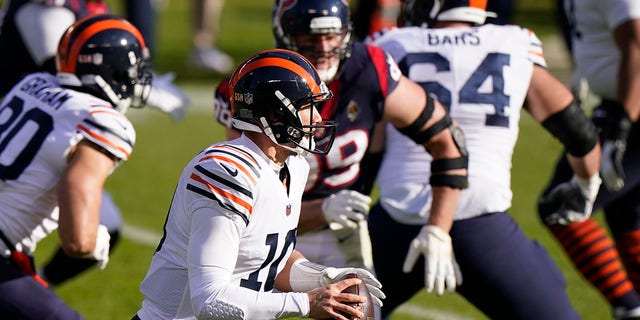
(310, 48)
(303, 136)
(286, 128)
(128, 90)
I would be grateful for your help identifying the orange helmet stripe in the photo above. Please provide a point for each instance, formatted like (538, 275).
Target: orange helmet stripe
(282, 63)
(89, 32)
(480, 4)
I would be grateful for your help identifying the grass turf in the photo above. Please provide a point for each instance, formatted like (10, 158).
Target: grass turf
(143, 186)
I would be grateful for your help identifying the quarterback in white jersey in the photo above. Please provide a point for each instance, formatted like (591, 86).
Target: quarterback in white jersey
(229, 238)
(61, 136)
(483, 74)
(243, 243)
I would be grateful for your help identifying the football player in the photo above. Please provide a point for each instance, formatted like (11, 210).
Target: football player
(368, 88)
(228, 246)
(29, 37)
(62, 136)
(606, 52)
(485, 75)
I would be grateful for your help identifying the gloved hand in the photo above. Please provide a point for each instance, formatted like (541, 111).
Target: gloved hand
(306, 275)
(440, 268)
(570, 201)
(345, 209)
(167, 97)
(101, 251)
(615, 132)
(611, 165)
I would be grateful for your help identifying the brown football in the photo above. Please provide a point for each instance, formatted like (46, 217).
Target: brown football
(367, 307)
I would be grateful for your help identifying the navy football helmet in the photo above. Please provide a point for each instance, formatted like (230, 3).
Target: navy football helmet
(106, 56)
(313, 17)
(268, 90)
(426, 12)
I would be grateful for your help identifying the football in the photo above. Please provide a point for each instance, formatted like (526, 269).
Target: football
(367, 307)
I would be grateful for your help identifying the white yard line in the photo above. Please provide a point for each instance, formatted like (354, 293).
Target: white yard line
(140, 235)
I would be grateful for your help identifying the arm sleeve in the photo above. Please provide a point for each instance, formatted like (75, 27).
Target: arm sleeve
(212, 252)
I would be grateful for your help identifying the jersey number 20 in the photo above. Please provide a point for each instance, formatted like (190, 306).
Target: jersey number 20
(25, 130)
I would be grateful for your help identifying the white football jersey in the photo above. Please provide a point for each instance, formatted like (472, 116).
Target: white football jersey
(481, 75)
(40, 122)
(595, 52)
(230, 229)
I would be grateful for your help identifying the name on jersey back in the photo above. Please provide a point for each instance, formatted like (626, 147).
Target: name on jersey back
(469, 38)
(46, 92)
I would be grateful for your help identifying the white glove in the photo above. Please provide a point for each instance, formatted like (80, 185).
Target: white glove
(306, 275)
(611, 165)
(345, 209)
(101, 251)
(440, 267)
(570, 201)
(167, 97)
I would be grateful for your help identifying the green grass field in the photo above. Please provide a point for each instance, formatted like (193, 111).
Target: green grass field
(143, 186)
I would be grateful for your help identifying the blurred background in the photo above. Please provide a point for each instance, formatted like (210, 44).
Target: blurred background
(142, 187)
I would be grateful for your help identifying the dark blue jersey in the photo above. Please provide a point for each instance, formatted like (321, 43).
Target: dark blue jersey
(363, 83)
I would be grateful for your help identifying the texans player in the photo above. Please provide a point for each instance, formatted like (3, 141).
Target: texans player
(484, 74)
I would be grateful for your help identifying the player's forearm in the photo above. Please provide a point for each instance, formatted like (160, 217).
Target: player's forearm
(224, 301)
(78, 224)
(443, 207)
(588, 165)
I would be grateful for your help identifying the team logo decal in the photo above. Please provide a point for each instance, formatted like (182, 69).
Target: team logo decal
(95, 58)
(352, 111)
(288, 211)
(248, 98)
